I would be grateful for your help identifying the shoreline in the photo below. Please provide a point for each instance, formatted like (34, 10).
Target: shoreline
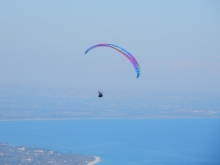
(143, 118)
(97, 160)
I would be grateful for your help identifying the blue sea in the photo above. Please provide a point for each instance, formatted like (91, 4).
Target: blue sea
(123, 141)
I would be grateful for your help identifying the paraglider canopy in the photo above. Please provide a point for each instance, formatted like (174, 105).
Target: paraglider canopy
(124, 52)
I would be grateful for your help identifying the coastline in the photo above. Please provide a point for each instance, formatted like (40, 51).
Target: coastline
(97, 160)
(143, 118)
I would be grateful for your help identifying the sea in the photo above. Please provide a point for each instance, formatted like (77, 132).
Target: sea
(123, 141)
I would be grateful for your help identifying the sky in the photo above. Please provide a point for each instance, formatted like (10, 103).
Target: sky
(176, 43)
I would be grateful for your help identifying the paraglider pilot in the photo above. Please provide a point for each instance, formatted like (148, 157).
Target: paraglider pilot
(100, 94)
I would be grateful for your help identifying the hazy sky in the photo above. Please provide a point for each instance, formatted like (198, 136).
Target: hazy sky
(177, 44)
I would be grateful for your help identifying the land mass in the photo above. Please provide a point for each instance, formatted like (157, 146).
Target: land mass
(24, 103)
(10, 155)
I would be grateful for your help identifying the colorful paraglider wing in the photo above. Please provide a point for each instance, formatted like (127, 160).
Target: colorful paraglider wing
(122, 51)
(120, 48)
(131, 59)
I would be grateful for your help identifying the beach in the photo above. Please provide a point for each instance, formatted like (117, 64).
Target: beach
(97, 159)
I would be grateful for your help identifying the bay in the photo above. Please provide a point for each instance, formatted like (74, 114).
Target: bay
(123, 141)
